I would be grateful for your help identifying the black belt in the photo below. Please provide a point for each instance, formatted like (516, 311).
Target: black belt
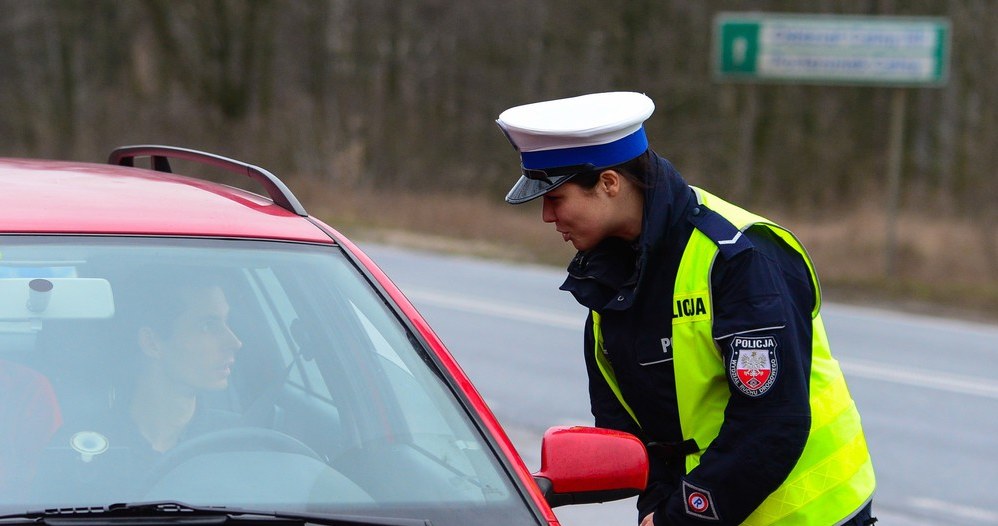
(673, 452)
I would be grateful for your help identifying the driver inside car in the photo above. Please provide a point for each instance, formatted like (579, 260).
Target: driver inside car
(189, 351)
(178, 348)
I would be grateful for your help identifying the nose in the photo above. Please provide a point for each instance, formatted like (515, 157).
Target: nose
(231, 340)
(547, 212)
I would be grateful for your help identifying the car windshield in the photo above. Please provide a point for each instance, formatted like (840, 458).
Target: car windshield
(251, 374)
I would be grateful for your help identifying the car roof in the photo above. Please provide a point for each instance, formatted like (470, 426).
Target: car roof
(41, 196)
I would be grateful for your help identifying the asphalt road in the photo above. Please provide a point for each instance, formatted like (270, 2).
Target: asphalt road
(925, 386)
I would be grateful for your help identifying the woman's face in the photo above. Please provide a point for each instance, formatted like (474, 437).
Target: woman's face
(587, 216)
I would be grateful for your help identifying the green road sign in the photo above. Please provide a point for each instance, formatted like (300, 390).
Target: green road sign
(830, 49)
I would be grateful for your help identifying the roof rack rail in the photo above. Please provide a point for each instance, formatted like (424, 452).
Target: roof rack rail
(276, 189)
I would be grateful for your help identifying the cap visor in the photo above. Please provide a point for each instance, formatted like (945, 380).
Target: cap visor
(527, 189)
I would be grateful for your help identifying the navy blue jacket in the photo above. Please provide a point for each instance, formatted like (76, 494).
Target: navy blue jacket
(764, 290)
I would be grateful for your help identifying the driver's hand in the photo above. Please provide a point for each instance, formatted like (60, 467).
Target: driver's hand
(649, 520)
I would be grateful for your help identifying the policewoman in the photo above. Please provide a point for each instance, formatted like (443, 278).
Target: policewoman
(704, 337)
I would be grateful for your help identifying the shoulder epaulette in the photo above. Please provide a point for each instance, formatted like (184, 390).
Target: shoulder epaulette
(729, 240)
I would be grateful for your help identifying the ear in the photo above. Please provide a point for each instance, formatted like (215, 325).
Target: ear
(149, 342)
(610, 182)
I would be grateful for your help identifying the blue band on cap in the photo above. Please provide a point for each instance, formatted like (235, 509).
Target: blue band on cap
(600, 156)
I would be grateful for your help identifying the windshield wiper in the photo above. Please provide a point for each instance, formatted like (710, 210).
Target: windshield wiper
(153, 513)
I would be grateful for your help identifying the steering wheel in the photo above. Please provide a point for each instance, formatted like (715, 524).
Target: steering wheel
(229, 440)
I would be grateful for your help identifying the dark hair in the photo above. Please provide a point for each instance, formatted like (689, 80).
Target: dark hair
(156, 298)
(635, 170)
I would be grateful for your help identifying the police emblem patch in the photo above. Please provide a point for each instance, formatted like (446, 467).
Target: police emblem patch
(698, 502)
(753, 367)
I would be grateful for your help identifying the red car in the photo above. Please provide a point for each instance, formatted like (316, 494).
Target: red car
(173, 349)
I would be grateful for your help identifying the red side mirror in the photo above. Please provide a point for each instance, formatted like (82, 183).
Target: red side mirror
(582, 465)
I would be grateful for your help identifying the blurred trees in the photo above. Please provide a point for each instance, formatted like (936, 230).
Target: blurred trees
(403, 93)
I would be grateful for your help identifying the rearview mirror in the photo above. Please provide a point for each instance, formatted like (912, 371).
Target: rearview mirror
(55, 298)
(585, 465)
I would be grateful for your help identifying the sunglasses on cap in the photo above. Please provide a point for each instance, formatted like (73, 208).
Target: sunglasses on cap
(551, 175)
(536, 182)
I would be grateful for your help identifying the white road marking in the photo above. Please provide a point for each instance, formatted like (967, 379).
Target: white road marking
(923, 378)
(507, 311)
(949, 509)
(868, 369)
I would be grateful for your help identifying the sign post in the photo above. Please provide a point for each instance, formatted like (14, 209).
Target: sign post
(899, 52)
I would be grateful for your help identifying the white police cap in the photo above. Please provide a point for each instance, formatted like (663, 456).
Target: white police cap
(561, 138)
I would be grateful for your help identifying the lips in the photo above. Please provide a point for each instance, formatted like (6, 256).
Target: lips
(225, 369)
(565, 235)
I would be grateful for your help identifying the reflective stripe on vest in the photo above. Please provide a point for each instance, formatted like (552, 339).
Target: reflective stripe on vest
(834, 476)
(607, 369)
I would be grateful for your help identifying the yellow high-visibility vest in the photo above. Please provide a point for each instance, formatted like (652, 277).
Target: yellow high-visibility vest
(833, 479)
